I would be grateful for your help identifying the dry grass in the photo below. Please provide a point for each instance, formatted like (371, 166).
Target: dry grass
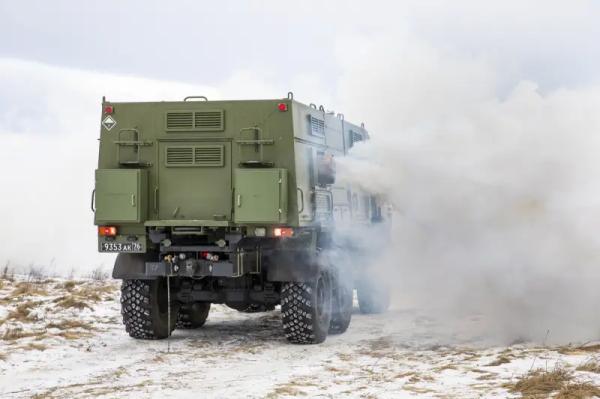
(541, 383)
(12, 334)
(118, 373)
(22, 312)
(499, 361)
(591, 366)
(285, 390)
(448, 366)
(3, 356)
(81, 295)
(417, 390)
(346, 357)
(416, 378)
(579, 350)
(73, 335)
(90, 293)
(578, 390)
(29, 289)
(71, 302)
(487, 377)
(337, 370)
(68, 285)
(34, 346)
(405, 374)
(7, 273)
(70, 325)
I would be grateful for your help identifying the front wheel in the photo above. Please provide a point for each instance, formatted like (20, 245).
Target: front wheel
(145, 309)
(306, 310)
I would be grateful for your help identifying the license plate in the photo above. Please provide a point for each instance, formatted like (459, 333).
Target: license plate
(120, 247)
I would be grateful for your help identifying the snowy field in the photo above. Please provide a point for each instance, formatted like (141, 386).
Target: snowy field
(64, 339)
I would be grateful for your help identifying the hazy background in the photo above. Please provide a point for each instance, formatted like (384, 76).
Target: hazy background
(485, 118)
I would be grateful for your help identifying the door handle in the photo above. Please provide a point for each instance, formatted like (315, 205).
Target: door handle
(93, 198)
(155, 199)
(302, 198)
(239, 200)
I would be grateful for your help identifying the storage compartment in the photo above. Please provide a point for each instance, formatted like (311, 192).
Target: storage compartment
(121, 195)
(260, 196)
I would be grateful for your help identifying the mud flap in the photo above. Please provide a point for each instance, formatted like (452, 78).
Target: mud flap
(292, 266)
(132, 266)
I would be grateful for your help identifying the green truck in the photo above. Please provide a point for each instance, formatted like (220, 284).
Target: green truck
(231, 202)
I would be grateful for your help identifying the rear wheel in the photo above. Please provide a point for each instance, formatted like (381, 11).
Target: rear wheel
(343, 295)
(193, 315)
(306, 310)
(145, 309)
(373, 297)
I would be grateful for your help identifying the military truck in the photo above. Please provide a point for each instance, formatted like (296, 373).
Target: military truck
(230, 202)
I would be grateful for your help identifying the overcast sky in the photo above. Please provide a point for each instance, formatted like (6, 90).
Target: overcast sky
(58, 58)
(552, 42)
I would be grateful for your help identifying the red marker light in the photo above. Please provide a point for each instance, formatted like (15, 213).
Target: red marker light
(283, 232)
(107, 231)
(109, 109)
(282, 107)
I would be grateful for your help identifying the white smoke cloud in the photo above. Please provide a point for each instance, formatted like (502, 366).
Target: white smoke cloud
(496, 193)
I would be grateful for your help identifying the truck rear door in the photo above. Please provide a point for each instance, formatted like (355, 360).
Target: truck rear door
(194, 180)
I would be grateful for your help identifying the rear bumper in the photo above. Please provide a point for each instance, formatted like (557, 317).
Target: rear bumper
(242, 263)
(278, 266)
(186, 223)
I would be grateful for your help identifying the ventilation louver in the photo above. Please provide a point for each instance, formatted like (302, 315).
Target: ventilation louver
(195, 121)
(317, 126)
(180, 120)
(195, 156)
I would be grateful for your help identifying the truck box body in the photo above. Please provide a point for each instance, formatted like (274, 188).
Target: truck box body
(192, 163)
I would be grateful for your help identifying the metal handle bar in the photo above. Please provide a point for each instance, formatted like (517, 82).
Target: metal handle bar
(302, 198)
(199, 97)
(155, 199)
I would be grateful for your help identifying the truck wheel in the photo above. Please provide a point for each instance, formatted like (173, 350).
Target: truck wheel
(306, 310)
(192, 315)
(343, 295)
(372, 297)
(145, 309)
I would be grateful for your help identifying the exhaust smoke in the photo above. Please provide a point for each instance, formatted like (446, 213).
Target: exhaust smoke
(495, 189)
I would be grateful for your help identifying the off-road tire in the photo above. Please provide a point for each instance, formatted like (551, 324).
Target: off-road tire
(373, 297)
(306, 310)
(192, 315)
(144, 309)
(342, 304)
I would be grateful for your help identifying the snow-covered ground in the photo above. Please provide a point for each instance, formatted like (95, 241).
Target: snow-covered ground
(65, 339)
